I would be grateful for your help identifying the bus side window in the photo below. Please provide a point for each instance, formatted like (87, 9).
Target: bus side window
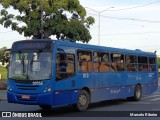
(84, 61)
(101, 62)
(143, 64)
(152, 64)
(117, 62)
(131, 63)
(65, 66)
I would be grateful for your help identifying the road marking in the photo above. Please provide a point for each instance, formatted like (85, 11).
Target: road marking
(156, 109)
(155, 99)
(139, 103)
(145, 97)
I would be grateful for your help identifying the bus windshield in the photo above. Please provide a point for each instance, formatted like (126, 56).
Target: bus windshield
(35, 65)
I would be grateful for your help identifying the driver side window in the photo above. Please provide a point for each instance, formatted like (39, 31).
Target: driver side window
(65, 66)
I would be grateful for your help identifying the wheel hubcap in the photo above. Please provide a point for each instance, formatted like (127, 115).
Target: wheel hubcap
(82, 100)
(138, 93)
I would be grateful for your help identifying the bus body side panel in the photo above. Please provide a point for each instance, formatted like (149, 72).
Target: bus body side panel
(111, 86)
(65, 92)
(149, 82)
(122, 85)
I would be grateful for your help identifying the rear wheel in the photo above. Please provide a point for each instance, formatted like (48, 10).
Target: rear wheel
(137, 94)
(83, 101)
(45, 107)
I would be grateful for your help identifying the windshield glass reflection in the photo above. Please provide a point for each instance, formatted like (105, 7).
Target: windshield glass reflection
(30, 66)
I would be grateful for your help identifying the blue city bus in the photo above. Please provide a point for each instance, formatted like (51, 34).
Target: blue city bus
(58, 73)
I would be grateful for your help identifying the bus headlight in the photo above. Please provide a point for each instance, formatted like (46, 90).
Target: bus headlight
(9, 88)
(47, 89)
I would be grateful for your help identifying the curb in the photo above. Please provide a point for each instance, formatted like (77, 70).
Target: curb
(3, 99)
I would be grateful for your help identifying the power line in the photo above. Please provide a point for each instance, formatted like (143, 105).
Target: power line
(137, 33)
(136, 6)
(132, 19)
(149, 32)
(123, 18)
(6, 32)
(130, 24)
(134, 33)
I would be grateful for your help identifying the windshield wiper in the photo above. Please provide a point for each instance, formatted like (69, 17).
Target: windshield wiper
(23, 65)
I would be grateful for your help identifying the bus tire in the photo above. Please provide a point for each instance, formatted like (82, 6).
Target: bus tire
(137, 94)
(45, 107)
(83, 101)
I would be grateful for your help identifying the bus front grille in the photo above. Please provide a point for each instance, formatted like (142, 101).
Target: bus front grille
(27, 87)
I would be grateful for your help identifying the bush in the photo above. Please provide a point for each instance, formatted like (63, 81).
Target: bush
(3, 72)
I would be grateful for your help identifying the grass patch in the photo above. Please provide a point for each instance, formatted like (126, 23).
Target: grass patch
(3, 72)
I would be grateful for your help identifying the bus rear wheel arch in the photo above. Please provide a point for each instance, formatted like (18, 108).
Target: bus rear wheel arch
(137, 93)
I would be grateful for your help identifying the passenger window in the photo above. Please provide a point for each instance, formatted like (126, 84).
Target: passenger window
(65, 66)
(143, 64)
(152, 64)
(101, 62)
(152, 60)
(131, 63)
(117, 62)
(84, 61)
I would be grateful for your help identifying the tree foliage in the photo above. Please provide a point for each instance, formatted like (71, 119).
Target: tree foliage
(4, 55)
(158, 62)
(63, 18)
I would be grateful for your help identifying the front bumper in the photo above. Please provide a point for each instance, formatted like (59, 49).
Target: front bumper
(38, 99)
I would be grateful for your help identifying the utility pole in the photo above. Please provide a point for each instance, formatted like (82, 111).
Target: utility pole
(99, 27)
(42, 31)
(99, 21)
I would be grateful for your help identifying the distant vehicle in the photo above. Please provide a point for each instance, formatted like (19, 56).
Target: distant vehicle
(58, 73)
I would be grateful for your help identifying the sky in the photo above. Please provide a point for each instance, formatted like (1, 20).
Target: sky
(128, 24)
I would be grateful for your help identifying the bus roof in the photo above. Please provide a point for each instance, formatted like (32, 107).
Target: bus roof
(90, 47)
(103, 48)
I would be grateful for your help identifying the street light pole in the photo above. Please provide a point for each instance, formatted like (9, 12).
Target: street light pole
(99, 21)
(41, 23)
(99, 26)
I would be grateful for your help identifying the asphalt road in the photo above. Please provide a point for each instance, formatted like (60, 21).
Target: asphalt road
(113, 109)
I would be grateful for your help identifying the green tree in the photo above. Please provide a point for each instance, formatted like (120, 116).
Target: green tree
(159, 62)
(2, 53)
(4, 56)
(43, 18)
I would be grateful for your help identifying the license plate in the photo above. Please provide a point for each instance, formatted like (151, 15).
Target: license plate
(25, 97)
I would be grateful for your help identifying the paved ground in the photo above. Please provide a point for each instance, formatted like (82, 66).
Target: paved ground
(3, 95)
(3, 86)
(149, 103)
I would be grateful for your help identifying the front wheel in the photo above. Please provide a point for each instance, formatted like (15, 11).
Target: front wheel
(83, 101)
